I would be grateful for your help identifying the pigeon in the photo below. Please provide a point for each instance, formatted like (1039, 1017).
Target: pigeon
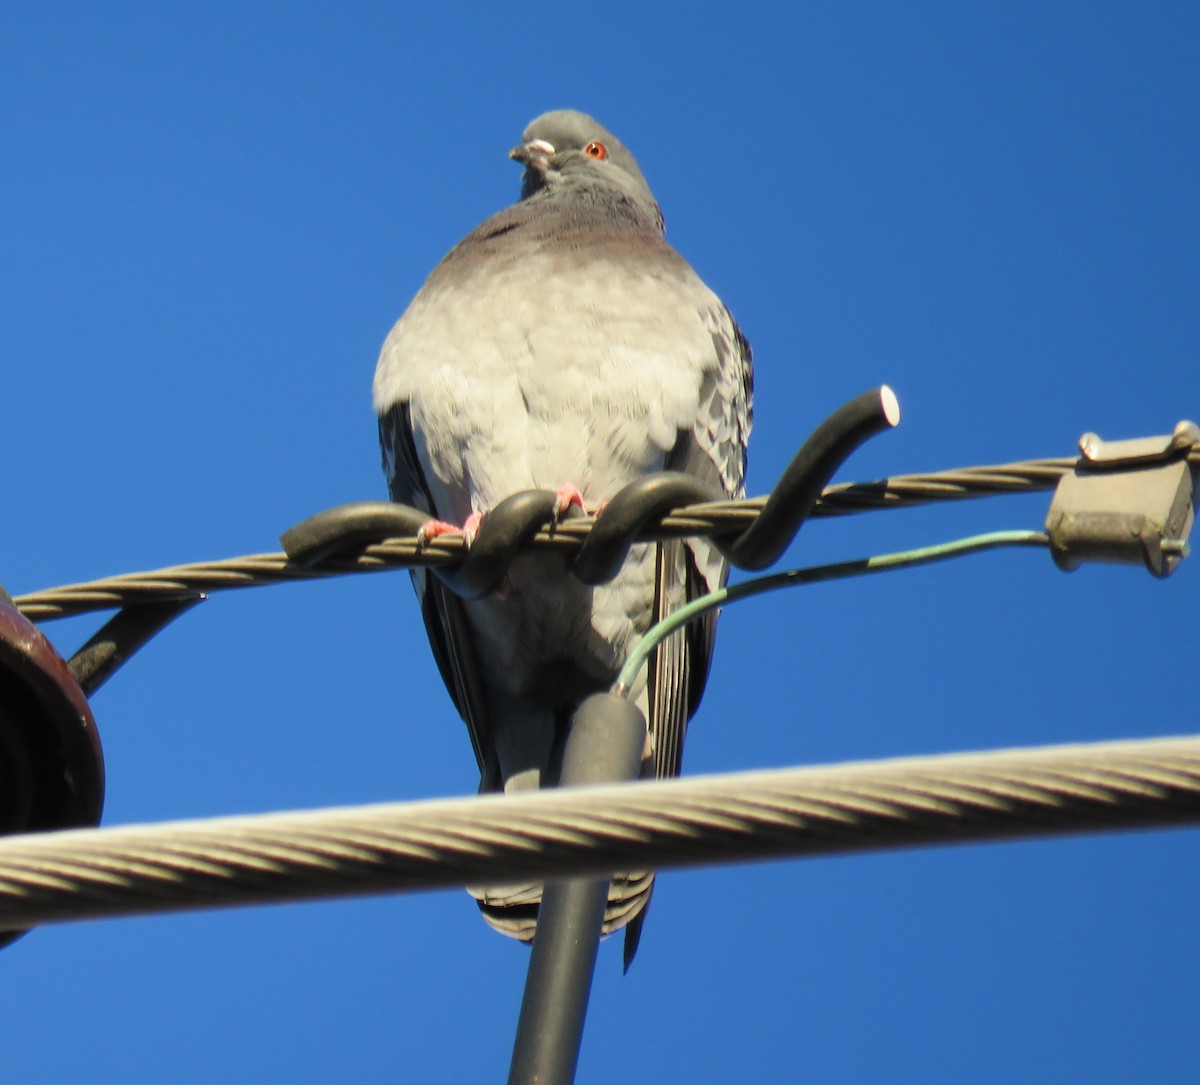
(563, 345)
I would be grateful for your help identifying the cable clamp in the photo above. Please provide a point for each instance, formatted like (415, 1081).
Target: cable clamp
(1127, 501)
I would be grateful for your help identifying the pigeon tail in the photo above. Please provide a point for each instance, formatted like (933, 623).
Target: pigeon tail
(513, 909)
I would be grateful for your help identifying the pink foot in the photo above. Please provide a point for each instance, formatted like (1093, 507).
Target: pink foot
(470, 527)
(433, 529)
(566, 496)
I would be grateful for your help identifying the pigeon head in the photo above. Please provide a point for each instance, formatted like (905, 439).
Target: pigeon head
(565, 152)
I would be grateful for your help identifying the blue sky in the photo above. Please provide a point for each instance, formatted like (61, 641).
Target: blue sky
(210, 217)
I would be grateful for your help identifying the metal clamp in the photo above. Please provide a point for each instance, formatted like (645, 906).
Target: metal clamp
(1127, 501)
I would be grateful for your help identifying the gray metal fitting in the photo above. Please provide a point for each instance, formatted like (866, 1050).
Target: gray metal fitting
(1127, 501)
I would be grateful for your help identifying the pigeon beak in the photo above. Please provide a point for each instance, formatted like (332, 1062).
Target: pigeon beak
(535, 149)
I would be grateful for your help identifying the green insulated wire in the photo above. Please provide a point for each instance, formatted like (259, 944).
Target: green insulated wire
(880, 563)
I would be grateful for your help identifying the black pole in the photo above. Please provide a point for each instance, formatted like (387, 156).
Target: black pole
(604, 746)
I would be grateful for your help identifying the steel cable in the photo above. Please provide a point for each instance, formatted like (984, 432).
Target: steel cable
(498, 839)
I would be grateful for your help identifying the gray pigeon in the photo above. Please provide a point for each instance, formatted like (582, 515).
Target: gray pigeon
(564, 345)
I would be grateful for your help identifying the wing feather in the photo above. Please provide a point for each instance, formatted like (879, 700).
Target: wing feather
(446, 624)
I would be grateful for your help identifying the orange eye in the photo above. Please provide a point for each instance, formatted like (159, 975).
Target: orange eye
(596, 150)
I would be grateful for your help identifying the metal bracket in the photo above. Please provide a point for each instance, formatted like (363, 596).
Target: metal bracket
(1127, 501)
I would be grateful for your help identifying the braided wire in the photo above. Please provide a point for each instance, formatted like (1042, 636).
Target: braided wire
(716, 518)
(90, 873)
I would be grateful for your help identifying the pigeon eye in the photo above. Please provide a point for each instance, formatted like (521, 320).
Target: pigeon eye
(596, 150)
